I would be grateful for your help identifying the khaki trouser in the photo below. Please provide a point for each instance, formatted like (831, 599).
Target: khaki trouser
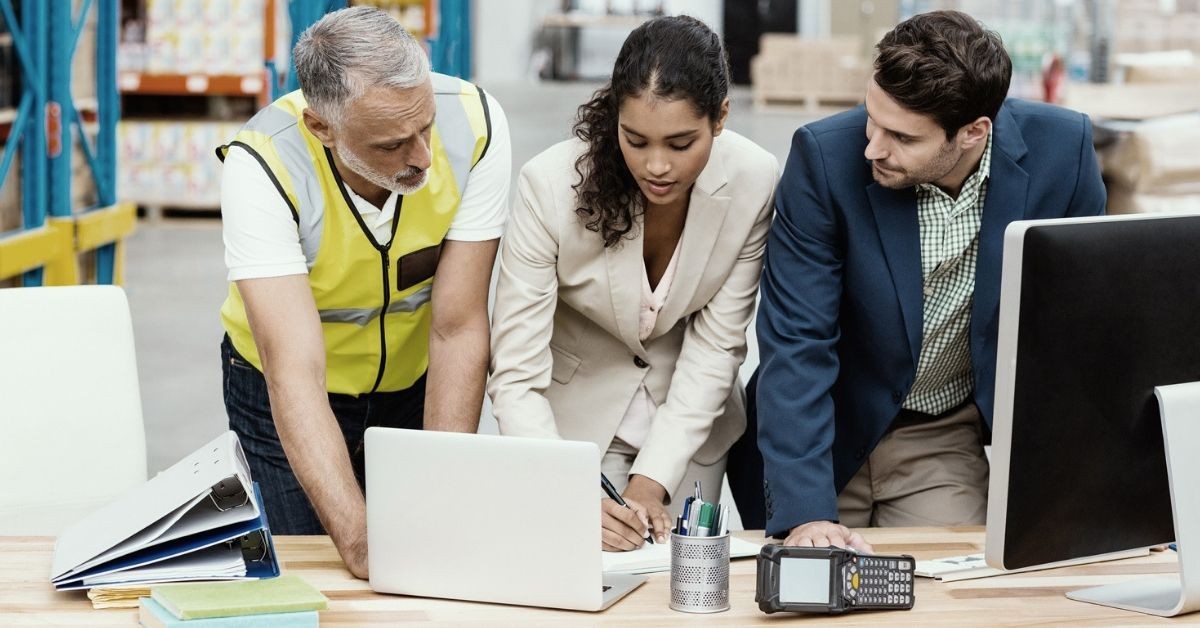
(618, 460)
(923, 474)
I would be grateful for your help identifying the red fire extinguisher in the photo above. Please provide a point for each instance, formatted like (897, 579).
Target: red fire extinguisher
(1053, 75)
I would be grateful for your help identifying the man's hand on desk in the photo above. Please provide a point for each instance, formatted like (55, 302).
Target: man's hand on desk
(826, 534)
(355, 557)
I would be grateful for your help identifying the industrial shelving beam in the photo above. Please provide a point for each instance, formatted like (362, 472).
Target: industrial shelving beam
(66, 125)
(28, 133)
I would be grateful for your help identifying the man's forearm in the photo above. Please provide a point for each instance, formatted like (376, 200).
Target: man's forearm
(457, 373)
(317, 453)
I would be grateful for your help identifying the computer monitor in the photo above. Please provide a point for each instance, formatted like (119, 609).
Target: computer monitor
(1097, 315)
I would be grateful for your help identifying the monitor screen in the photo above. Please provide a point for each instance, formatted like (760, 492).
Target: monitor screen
(1094, 315)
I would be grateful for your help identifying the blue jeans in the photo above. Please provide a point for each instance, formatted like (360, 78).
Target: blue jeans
(249, 410)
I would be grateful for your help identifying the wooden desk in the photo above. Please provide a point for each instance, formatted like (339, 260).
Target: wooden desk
(1020, 599)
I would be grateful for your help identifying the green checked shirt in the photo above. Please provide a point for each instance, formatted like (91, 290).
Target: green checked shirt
(949, 250)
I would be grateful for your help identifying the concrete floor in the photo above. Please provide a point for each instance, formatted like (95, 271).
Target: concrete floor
(175, 276)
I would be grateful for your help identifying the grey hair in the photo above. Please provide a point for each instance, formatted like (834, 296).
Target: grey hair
(349, 50)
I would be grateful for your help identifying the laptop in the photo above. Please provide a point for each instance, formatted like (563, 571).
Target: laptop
(488, 519)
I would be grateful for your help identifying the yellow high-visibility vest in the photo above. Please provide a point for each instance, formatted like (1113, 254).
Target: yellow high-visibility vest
(373, 299)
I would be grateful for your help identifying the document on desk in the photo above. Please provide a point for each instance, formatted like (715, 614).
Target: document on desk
(218, 562)
(655, 557)
(970, 567)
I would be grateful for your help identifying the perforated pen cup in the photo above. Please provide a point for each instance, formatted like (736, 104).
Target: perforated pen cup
(700, 573)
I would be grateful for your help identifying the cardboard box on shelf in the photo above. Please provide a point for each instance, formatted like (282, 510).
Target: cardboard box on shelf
(83, 65)
(796, 70)
(172, 163)
(1156, 157)
(1122, 201)
(83, 182)
(1163, 74)
(10, 197)
(1151, 25)
(1143, 101)
(201, 37)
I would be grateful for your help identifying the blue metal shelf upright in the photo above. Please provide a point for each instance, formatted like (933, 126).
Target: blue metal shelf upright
(450, 45)
(48, 123)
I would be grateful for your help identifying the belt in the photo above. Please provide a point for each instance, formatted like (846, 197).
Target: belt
(907, 417)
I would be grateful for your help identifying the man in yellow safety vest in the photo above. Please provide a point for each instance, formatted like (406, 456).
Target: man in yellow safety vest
(361, 217)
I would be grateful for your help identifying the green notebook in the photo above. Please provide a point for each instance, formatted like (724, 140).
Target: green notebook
(285, 594)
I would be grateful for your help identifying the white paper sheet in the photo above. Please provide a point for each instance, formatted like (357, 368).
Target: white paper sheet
(211, 563)
(970, 567)
(654, 557)
(139, 540)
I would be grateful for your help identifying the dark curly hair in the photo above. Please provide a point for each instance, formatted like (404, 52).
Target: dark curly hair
(677, 57)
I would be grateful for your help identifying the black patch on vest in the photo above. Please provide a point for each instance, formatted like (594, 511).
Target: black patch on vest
(417, 266)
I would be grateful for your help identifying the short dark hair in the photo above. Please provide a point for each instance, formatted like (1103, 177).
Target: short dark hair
(946, 65)
(675, 57)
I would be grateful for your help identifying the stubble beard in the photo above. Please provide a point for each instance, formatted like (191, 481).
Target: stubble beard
(400, 183)
(942, 163)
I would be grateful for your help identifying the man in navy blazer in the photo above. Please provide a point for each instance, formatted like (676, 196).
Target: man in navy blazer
(880, 293)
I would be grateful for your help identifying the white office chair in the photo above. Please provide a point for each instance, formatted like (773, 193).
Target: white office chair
(71, 435)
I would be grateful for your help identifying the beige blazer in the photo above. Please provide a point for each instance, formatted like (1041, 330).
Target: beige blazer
(566, 358)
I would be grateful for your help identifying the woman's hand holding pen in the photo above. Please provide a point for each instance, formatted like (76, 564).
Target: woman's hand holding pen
(650, 495)
(625, 519)
(623, 528)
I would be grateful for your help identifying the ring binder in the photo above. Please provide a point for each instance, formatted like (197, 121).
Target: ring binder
(174, 527)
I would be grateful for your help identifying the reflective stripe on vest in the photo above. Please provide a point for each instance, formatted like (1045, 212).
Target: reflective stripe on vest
(355, 279)
(364, 316)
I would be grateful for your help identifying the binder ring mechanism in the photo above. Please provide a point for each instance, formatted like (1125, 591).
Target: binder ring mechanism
(228, 494)
(251, 545)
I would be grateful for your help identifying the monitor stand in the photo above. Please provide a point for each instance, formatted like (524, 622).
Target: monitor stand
(1179, 405)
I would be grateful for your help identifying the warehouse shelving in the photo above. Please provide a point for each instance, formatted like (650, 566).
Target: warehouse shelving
(45, 129)
(175, 99)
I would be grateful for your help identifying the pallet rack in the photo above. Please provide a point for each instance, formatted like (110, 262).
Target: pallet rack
(44, 128)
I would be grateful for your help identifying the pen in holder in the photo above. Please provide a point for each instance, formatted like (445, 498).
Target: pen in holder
(699, 573)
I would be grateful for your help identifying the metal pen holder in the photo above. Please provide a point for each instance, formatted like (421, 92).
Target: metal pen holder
(700, 573)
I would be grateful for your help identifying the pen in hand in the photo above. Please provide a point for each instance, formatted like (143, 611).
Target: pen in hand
(616, 497)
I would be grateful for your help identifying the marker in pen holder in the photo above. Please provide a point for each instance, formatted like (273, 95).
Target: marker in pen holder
(699, 573)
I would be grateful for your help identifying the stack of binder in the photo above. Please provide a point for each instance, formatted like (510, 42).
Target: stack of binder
(201, 519)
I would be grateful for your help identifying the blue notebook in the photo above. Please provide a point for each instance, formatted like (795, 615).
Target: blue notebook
(151, 614)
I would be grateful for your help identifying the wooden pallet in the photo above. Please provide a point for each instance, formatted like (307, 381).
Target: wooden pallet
(811, 103)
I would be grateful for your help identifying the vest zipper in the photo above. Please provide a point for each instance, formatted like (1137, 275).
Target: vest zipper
(387, 296)
(384, 252)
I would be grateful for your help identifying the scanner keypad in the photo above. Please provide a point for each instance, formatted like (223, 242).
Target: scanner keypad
(878, 582)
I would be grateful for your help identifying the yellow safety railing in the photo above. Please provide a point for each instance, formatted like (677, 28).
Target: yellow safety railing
(56, 245)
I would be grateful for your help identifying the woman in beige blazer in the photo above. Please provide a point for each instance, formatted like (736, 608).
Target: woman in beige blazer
(628, 277)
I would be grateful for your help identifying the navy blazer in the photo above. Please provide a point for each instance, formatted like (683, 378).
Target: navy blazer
(840, 322)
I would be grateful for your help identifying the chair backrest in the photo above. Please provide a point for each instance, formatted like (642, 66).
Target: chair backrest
(71, 435)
